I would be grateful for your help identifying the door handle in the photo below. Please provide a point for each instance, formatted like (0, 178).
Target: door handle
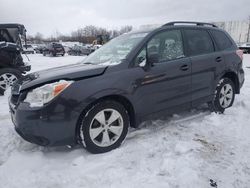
(218, 59)
(184, 67)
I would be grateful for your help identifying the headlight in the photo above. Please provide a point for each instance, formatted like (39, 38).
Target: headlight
(44, 94)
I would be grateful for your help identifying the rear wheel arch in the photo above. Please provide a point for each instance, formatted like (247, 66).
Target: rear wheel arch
(234, 78)
(117, 98)
(224, 95)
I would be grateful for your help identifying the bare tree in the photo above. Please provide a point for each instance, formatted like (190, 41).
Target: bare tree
(38, 36)
(78, 35)
(85, 34)
(248, 31)
(125, 29)
(90, 30)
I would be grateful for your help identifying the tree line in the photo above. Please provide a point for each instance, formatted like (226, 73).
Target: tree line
(86, 34)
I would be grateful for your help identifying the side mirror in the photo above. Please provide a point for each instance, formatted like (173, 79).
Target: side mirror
(142, 61)
(152, 59)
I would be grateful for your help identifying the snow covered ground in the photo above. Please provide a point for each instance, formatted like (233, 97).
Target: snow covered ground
(185, 150)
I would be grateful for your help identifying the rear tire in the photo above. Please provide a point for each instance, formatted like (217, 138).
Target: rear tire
(104, 127)
(7, 78)
(224, 96)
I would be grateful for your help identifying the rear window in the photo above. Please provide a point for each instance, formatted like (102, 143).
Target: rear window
(198, 42)
(57, 45)
(222, 40)
(4, 36)
(27, 46)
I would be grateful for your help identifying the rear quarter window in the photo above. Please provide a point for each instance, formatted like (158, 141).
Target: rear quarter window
(198, 42)
(222, 40)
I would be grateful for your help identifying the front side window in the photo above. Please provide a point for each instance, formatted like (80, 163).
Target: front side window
(168, 45)
(198, 42)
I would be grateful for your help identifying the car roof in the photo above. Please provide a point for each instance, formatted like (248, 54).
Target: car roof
(11, 25)
(179, 24)
(190, 24)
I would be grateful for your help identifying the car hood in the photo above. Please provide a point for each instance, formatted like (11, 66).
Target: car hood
(70, 72)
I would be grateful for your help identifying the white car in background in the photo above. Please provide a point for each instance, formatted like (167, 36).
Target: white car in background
(97, 46)
(28, 49)
(245, 47)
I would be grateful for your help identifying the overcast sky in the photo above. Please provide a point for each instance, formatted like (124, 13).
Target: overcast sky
(49, 16)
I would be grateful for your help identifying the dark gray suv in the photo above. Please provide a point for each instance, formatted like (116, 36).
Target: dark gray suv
(137, 76)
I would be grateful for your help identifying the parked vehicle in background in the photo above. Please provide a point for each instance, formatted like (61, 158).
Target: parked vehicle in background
(245, 47)
(80, 50)
(135, 77)
(54, 49)
(97, 46)
(28, 49)
(39, 49)
(11, 62)
(101, 40)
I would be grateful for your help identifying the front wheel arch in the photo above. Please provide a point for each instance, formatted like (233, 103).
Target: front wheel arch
(117, 98)
(86, 124)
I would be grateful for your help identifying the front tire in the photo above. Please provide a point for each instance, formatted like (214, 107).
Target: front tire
(224, 96)
(104, 127)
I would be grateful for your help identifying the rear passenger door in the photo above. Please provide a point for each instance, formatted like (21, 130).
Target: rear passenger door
(205, 63)
(225, 46)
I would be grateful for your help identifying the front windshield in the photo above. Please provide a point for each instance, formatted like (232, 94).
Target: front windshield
(116, 50)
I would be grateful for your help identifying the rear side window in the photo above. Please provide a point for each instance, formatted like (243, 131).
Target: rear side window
(198, 42)
(222, 40)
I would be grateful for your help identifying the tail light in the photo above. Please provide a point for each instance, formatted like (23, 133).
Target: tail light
(240, 54)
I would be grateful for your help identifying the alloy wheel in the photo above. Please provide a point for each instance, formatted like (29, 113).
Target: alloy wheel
(7, 80)
(226, 95)
(106, 127)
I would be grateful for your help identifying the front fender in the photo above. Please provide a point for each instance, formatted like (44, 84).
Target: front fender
(110, 92)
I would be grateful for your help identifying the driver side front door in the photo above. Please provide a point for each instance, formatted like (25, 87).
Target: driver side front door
(166, 85)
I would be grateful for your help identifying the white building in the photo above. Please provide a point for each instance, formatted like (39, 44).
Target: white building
(239, 30)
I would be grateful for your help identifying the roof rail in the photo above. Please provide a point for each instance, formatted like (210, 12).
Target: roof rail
(189, 23)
